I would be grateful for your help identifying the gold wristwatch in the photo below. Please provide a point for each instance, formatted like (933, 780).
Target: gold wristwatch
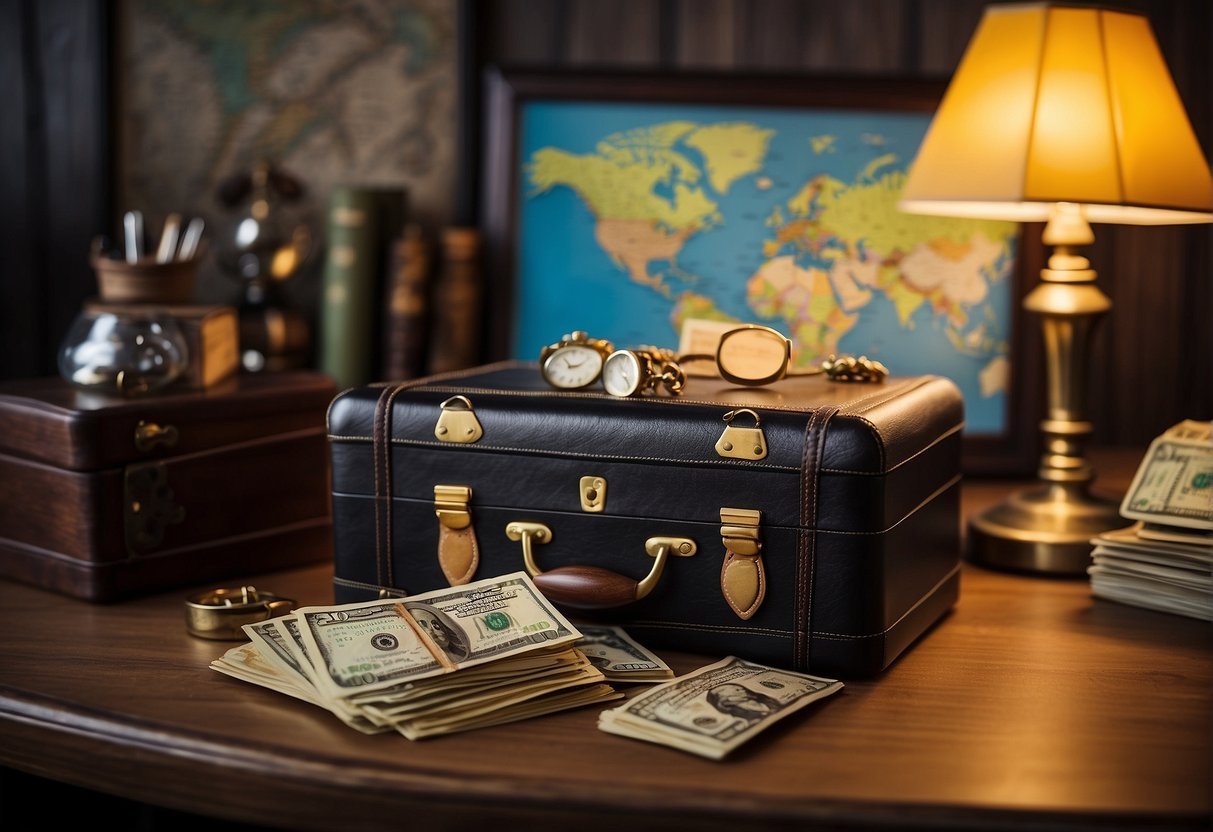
(575, 361)
(639, 371)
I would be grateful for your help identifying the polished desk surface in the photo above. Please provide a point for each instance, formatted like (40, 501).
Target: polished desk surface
(1032, 704)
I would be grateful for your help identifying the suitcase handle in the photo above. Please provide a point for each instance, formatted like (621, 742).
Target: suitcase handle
(592, 587)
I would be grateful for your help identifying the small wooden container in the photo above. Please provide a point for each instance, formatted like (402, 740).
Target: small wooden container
(145, 281)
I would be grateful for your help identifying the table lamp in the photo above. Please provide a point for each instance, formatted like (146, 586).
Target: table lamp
(1064, 115)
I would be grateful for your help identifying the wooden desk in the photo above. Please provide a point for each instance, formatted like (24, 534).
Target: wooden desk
(1031, 705)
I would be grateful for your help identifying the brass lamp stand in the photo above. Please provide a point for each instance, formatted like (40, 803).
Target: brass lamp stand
(1048, 529)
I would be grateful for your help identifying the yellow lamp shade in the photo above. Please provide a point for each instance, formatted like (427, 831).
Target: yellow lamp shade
(1062, 104)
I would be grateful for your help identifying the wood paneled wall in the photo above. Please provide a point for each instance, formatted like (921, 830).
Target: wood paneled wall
(1153, 353)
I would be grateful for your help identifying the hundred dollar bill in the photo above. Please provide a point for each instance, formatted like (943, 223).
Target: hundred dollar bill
(272, 643)
(1173, 485)
(619, 656)
(382, 644)
(717, 708)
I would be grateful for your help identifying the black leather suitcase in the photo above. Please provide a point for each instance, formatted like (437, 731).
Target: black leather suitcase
(808, 524)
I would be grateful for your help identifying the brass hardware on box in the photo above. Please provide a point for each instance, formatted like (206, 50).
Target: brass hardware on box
(593, 493)
(526, 533)
(592, 587)
(150, 507)
(451, 505)
(391, 593)
(149, 434)
(742, 443)
(742, 578)
(457, 422)
(458, 550)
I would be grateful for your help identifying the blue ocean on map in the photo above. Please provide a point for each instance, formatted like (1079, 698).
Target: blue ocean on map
(566, 279)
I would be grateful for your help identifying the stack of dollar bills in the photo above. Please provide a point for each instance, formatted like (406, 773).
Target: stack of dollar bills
(713, 710)
(1164, 561)
(470, 656)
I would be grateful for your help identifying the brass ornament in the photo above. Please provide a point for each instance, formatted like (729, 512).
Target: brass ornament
(848, 368)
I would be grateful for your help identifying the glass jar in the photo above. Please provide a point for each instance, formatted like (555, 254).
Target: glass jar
(123, 353)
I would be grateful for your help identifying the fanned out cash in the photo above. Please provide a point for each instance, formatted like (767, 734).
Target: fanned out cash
(1164, 561)
(451, 660)
(713, 710)
(619, 656)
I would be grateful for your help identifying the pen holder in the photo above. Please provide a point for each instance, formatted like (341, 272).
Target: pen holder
(144, 281)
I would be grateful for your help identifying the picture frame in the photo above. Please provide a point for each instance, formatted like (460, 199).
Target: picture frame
(533, 258)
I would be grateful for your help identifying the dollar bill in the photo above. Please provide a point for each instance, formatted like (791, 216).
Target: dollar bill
(429, 664)
(382, 644)
(1173, 486)
(619, 656)
(713, 710)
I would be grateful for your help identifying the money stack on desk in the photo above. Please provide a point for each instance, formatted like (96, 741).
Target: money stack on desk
(1165, 560)
(450, 660)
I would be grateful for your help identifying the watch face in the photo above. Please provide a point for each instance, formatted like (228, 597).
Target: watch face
(621, 374)
(572, 367)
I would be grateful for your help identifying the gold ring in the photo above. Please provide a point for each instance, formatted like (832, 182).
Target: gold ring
(222, 613)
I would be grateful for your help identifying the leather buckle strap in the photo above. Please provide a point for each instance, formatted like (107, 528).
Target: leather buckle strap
(806, 556)
(381, 451)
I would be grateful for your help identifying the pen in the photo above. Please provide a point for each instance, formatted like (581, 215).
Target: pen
(132, 224)
(189, 242)
(168, 238)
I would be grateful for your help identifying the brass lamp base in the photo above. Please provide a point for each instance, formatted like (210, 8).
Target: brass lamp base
(1044, 531)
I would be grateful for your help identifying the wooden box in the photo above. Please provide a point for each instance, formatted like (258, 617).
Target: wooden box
(212, 336)
(106, 498)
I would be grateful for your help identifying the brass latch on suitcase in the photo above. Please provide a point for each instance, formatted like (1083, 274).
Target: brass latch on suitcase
(593, 494)
(458, 550)
(742, 443)
(457, 422)
(742, 578)
(451, 505)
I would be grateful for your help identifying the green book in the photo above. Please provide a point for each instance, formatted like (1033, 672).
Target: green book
(361, 221)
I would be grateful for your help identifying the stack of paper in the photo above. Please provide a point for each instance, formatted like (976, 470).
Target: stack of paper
(1165, 560)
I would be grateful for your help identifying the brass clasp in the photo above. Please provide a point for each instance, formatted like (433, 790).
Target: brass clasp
(593, 494)
(457, 422)
(742, 577)
(742, 443)
(149, 434)
(451, 505)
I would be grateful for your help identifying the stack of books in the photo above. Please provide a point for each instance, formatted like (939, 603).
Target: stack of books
(1164, 561)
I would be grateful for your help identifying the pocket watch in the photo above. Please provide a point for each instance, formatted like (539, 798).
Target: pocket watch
(640, 371)
(575, 361)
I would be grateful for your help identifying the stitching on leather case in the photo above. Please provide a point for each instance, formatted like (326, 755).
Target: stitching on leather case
(682, 400)
(662, 625)
(480, 446)
(726, 628)
(955, 570)
(711, 628)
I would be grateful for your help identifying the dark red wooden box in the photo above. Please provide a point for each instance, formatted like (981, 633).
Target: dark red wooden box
(106, 498)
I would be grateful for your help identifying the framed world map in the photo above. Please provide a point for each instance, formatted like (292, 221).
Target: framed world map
(626, 204)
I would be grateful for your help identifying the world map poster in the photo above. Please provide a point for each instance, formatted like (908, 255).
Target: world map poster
(635, 217)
